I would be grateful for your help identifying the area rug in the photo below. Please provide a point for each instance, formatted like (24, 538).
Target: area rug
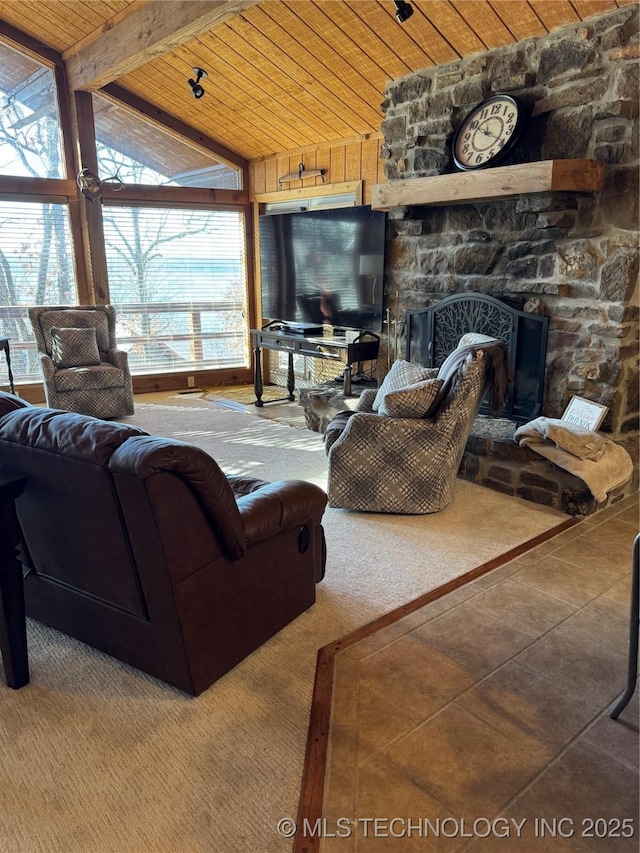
(276, 408)
(97, 757)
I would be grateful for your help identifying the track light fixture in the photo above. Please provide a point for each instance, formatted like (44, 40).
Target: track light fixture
(196, 88)
(403, 11)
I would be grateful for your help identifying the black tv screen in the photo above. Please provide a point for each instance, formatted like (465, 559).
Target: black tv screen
(324, 267)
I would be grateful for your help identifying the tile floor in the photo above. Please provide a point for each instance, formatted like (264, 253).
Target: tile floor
(490, 705)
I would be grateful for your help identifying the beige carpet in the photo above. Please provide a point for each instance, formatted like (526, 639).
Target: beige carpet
(96, 757)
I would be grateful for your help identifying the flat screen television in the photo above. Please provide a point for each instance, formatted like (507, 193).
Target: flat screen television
(324, 267)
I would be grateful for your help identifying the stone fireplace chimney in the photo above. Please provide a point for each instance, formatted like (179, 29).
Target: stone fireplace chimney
(572, 256)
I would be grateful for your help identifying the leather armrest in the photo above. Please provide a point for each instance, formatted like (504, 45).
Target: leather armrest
(279, 506)
(11, 402)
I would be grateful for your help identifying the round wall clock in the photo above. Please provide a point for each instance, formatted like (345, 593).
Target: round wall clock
(488, 133)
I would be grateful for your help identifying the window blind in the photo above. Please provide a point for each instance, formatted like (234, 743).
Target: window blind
(178, 280)
(36, 268)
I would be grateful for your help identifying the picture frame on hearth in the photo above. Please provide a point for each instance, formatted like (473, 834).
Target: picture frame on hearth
(584, 413)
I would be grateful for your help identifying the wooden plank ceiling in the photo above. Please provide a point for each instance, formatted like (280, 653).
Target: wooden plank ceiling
(284, 74)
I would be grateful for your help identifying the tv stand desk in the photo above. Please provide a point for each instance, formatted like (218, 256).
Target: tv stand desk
(365, 348)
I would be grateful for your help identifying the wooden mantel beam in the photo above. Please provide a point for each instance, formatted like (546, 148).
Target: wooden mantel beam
(153, 29)
(489, 184)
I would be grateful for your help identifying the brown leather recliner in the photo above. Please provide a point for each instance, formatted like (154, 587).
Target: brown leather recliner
(141, 547)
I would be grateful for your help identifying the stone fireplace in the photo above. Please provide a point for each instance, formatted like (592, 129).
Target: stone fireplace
(570, 256)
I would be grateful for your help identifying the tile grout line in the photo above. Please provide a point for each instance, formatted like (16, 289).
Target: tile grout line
(562, 753)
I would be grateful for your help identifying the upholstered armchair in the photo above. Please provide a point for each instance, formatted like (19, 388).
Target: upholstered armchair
(400, 451)
(83, 369)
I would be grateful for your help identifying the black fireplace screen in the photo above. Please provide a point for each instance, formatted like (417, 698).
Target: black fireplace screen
(432, 333)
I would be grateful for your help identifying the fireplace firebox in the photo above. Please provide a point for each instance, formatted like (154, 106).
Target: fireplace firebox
(432, 333)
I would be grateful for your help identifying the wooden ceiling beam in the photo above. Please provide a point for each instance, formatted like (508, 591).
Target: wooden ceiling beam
(103, 28)
(150, 31)
(36, 49)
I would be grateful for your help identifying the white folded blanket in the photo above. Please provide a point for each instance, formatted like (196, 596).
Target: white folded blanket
(601, 463)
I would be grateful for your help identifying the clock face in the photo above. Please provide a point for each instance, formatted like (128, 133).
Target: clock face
(488, 133)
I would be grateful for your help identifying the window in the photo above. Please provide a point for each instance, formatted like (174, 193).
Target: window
(177, 278)
(36, 268)
(29, 127)
(177, 275)
(36, 257)
(141, 153)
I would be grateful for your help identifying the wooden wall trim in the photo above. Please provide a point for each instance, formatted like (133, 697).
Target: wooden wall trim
(312, 192)
(95, 288)
(65, 114)
(175, 196)
(153, 382)
(64, 188)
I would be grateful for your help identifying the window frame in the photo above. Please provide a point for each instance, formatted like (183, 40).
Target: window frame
(87, 236)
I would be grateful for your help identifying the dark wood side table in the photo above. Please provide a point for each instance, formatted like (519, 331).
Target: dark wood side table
(4, 344)
(364, 348)
(13, 626)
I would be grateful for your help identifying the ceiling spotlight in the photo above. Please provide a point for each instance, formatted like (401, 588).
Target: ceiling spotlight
(196, 88)
(403, 11)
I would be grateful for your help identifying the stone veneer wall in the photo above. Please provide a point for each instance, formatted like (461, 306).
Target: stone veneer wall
(570, 256)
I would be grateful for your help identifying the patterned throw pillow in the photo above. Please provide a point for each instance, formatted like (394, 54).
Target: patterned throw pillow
(402, 373)
(414, 401)
(74, 347)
